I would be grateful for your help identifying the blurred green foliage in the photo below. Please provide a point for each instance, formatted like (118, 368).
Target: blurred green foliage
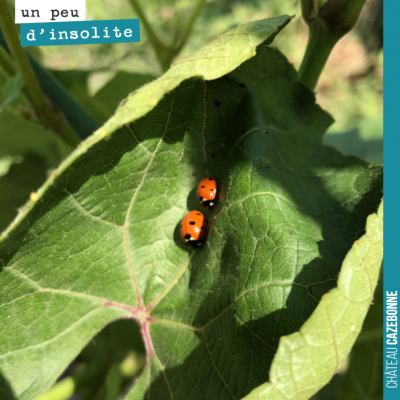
(101, 76)
(350, 87)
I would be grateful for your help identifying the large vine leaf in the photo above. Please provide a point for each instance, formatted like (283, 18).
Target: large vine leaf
(360, 378)
(100, 239)
(363, 378)
(306, 360)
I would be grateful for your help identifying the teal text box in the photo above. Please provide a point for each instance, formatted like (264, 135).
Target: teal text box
(80, 32)
(391, 220)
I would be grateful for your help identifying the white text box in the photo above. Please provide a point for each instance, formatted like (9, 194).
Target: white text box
(29, 11)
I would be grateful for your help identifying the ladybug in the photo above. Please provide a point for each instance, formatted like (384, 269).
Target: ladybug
(207, 192)
(193, 229)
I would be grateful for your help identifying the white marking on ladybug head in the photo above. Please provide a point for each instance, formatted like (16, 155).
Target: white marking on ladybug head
(212, 204)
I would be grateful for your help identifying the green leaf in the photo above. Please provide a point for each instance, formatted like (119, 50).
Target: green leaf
(27, 152)
(363, 379)
(101, 240)
(119, 87)
(77, 84)
(355, 143)
(104, 103)
(19, 137)
(11, 90)
(329, 391)
(306, 360)
(79, 119)
(22, 178)
(351, 142)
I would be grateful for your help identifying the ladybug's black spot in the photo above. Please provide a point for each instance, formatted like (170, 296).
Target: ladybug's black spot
(187, 236)
(192, 223)
(203, 187)
(202, 227)
(198, 214)
(212, 190)
(217, 102)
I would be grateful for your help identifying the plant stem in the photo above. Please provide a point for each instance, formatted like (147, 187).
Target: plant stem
(190, 24)
(93, 375)
(40, 102)
(78, 118)
(163, 53)
(328, 21)
(7, 64)
(114, 381)
(319, 47)
(65, 388)
(154, 40)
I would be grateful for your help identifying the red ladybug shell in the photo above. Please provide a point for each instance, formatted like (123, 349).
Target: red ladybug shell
(207, 192)
(193, 229)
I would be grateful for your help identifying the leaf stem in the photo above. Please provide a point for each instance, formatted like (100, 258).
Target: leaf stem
(319, 47)
(78, 118)
(328, 22)
(190, 24)
(7, 64)
(40, 102)
(163, 52)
